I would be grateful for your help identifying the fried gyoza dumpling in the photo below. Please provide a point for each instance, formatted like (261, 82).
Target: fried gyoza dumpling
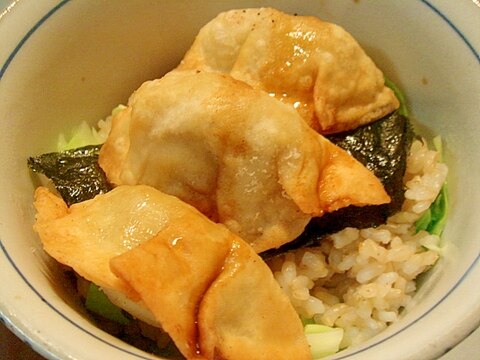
(186, 269)
(212, 293)
(87, 235)
(243, 308)
(172, 271)
(239, 156)
(316, 67)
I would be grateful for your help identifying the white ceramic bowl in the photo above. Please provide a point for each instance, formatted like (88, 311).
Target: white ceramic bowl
(62, 62)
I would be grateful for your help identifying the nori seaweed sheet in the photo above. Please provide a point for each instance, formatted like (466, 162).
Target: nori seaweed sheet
(75, 173)
(390, 138)
(383, 148)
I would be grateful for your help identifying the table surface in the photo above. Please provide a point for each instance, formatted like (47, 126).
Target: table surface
(12, 348)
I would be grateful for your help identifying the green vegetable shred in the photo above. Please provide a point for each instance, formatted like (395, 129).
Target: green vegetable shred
(323, 340)
(433, 220)
(98, 303)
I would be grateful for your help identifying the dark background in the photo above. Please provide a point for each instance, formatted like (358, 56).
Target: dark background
(12, 348)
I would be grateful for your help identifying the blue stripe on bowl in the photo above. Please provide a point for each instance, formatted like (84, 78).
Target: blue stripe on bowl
(29, 33)
(470, 269)
(2, 246)
(58, 311)
(4, 68)
(454, 28)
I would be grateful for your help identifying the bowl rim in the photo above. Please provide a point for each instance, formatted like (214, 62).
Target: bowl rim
(35, 342)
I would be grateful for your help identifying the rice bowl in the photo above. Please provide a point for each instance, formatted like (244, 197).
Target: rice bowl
(430, 292)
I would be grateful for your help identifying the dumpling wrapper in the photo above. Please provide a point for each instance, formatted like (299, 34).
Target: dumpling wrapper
(245, 307)
(316, 67)
(212, 293)
(89, 234)
(239, 156)
(173, 270)
(170, 272)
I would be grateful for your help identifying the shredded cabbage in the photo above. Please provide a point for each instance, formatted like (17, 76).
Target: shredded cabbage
(434, 219)
(98, 303)
(84, 134)
(323, 340)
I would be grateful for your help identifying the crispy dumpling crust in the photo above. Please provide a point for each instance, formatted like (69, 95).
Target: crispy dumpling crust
(85, 236)
(73, 237)
(314, 66)
(243, 308)
(172, 271)
(205, 286)
(212, 293)
(239, 156)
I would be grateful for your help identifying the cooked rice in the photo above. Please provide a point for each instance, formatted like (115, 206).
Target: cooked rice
(360, 280)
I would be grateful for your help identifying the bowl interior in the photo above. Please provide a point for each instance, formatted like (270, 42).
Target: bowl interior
(63, 62)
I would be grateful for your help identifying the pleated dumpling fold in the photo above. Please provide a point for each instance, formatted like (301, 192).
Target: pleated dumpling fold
(236, 154)
(201, 283)
(316, 67)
